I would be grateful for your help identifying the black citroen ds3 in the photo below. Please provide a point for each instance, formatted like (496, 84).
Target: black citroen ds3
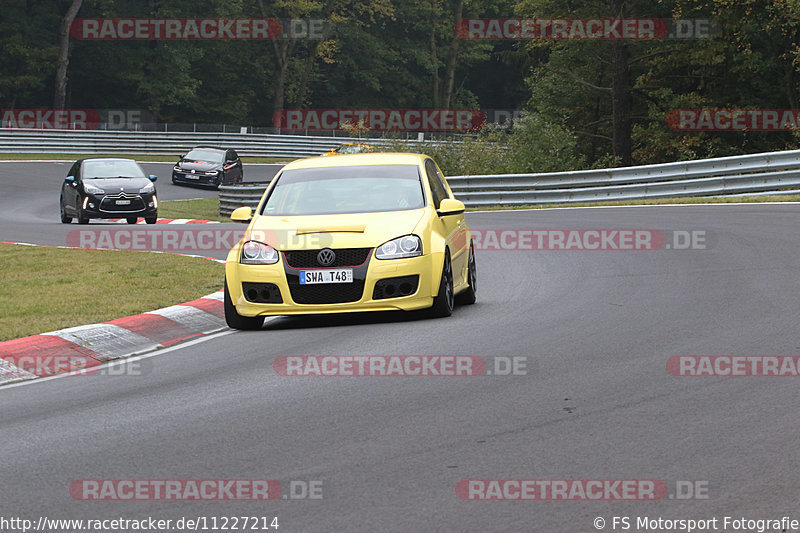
(108, 188)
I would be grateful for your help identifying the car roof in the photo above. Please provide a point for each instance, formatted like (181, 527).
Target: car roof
(345, 160)
(105, 159)
(210, 148)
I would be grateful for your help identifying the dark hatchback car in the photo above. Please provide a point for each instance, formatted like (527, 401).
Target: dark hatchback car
(208, 166)
(108, 188)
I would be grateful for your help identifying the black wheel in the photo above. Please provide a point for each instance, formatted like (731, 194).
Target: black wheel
(237, 321)
(468, 296)
(132, 220)
(64, 218)
(443, 302)
(150, 220)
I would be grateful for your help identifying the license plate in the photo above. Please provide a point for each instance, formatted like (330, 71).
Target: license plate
(310, 277)
(192, 177)
(123, 202)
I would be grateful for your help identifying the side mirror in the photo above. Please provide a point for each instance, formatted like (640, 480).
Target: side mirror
(449, 206)
(242, 214)
(152, 177)
(70, 180)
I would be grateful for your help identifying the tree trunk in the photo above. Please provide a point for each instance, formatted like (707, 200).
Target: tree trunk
(63, 55)
(452, 60)
(621, 102)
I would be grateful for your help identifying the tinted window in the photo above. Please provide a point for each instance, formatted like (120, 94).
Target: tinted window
(232, 155)
(111, 168)
(436, 181)
(202, 154)
(351, 189)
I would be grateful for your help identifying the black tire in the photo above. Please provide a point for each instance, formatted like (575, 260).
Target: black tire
(444, 302)
(150, 220)
(468, 296)
(82, 218)
(237, 321)
(64, 218)
(132, 220)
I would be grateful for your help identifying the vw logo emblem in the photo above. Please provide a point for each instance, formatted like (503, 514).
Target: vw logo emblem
(326, 257)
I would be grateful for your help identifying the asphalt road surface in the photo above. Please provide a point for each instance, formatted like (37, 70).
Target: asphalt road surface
(595, 401)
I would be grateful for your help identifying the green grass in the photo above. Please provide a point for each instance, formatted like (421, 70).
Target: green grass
(137, 157)
(201, 208)
(654, 201)
(45, 289)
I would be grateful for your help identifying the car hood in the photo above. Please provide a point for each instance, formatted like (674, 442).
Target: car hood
(200, 166)
(117, 185)
(312, 232)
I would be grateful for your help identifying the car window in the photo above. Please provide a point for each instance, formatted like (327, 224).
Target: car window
(210, 156)
(232, 155)
(111, 168)
(348, 189)
(75, 170)
(436, 182)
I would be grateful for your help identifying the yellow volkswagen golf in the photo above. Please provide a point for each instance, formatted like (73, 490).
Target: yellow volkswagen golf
(361, 232)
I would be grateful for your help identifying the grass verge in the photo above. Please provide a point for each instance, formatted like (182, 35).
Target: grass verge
(200, 208)
(137, 157)
(46, 289)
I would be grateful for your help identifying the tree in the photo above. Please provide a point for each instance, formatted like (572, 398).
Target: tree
(63, 54)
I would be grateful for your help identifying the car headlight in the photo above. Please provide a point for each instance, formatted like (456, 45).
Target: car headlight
(177, 168)
(406, 246)
(258, 253)
(212, 172)
(91, 189)
(148, 188)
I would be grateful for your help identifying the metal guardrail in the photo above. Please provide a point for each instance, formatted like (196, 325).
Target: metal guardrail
(160, 143)
(766, 173)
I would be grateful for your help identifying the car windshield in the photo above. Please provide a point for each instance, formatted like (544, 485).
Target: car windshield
(111, 168)
(347, 189)
(212, 156)
(352, 149)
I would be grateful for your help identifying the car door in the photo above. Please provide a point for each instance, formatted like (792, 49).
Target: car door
(453, 226)
(232, 160)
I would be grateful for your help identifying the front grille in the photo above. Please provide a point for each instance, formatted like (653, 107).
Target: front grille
(345, 257)
(395, 287)
(109, 205)
(262, 293)
(326, 293)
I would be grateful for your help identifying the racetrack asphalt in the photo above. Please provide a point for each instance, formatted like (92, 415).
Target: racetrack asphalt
(595, 328)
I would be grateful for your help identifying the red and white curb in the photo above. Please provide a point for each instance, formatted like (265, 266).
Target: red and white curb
(71, 349)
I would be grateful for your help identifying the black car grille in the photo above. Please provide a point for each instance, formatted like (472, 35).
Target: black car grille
(345, 257)
(395, 287)
(326, 293)
(109, 204)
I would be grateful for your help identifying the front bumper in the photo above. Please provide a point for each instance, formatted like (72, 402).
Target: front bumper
(105, 206)
(199, 178)
(370, 300)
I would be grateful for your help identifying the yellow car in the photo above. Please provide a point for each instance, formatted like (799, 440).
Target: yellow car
(350, 148)
(361, 232)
